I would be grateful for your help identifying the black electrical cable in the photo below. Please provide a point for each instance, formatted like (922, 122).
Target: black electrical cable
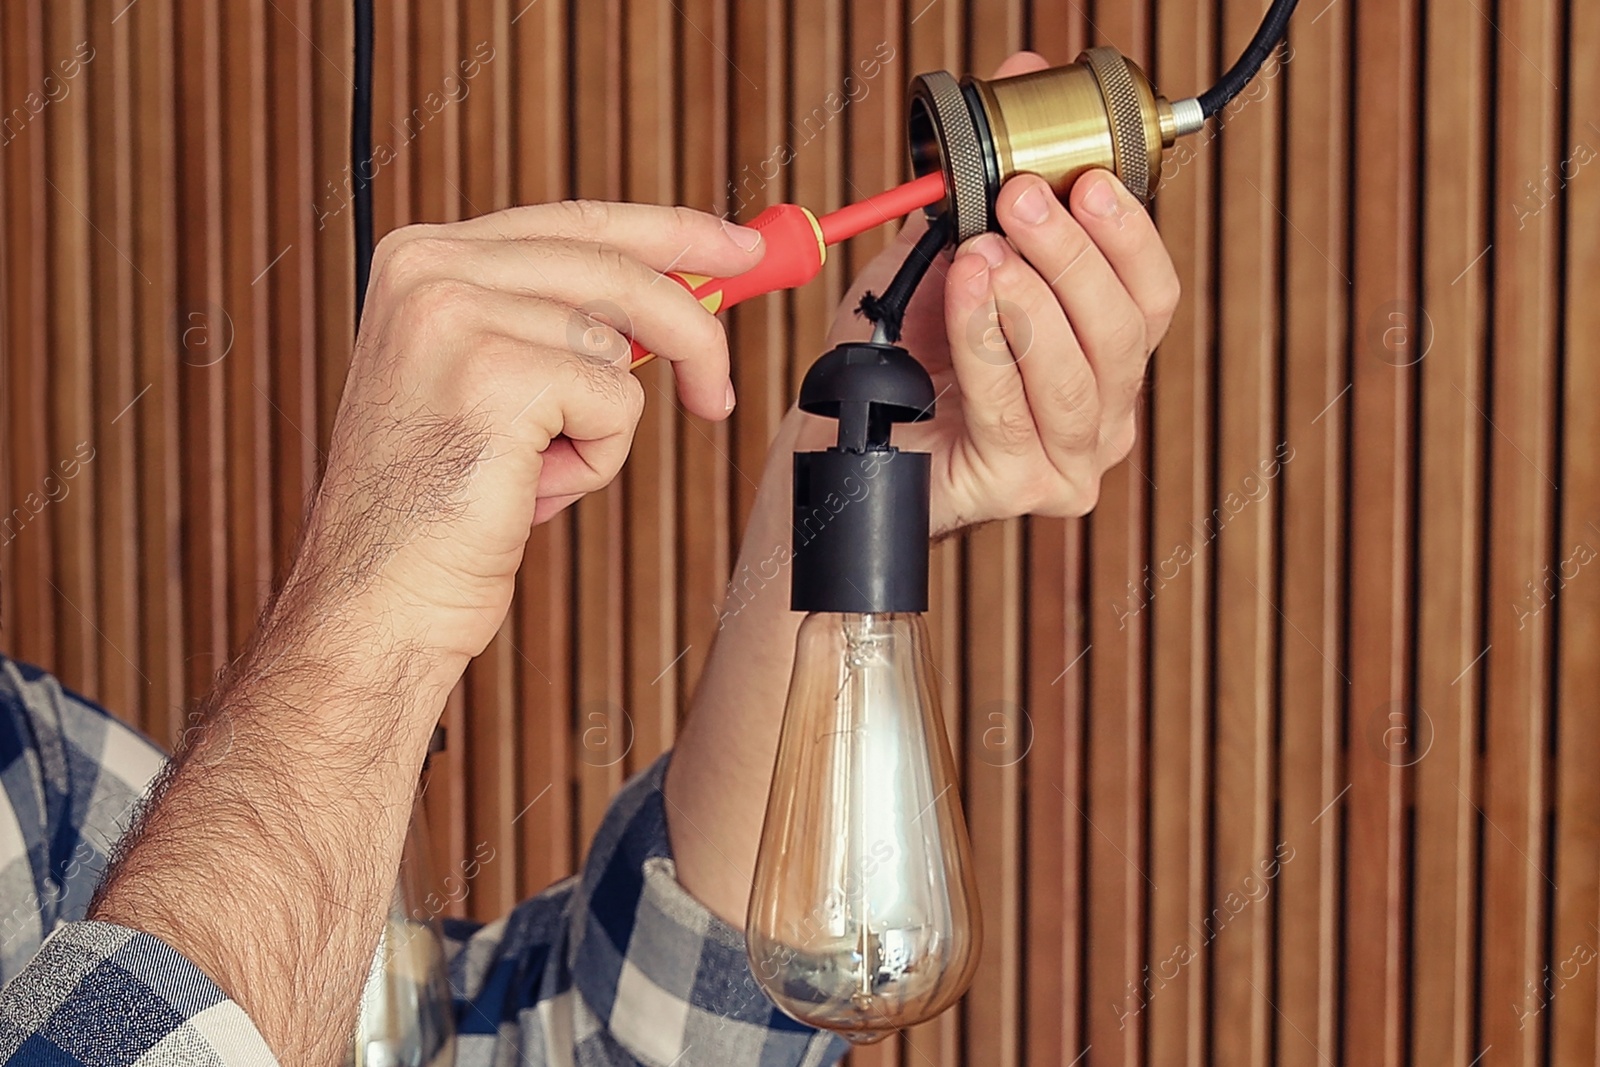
(361, 176)
(361, 149)
(889, 310)
(1268, 34)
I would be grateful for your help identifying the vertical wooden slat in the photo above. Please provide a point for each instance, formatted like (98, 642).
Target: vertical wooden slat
(248, 262)
(934, 41)
(115, 442)
(432, 123)
(154, 408)
(1046, 733)
(292, 281)
(1176, 589)
(482, 90)
(392, 101)
(1307, 476)
(203, 331)
(538, 60)
(993, 597)
(1241, 525)
(704, 477)
(759, 329)
(1576, 793)
(818, 113)
(873, 78)
(8, 597)
(27, 520)
(603, 723)
(1118, 881)
(654, 645)
(431, 126)
(330, 31)
(547, 845)
(994, 602)
(71, 351)
(1443, 737)
(1522, 483)
(1381, 435)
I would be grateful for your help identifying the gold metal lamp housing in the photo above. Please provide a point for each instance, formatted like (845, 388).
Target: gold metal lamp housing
(1099, 111)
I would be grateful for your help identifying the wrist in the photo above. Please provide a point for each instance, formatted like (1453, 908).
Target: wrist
(345, 669)
(362, 618)
(397, 581)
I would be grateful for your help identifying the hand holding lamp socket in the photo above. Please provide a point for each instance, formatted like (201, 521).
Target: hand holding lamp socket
(967, 138)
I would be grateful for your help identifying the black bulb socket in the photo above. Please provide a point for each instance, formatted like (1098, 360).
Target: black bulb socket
(861, 508)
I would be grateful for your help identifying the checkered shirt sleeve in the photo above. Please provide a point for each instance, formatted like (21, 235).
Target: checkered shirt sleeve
(617, 966)
(621, 966)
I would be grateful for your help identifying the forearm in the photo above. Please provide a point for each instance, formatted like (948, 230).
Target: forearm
(716, 788)
(269, 853)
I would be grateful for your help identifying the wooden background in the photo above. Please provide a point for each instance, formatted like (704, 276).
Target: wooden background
(1373, 663)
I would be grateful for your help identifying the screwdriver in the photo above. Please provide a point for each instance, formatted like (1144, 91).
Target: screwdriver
(797, 246)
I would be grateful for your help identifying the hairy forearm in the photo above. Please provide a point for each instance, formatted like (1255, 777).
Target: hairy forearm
(716, 788)
(268, 853)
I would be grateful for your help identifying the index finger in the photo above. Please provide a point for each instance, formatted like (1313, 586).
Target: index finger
(661, 237)
(1125, 234)
(1021, 63)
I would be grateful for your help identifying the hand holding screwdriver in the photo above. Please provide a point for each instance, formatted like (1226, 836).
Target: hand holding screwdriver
(797, 246)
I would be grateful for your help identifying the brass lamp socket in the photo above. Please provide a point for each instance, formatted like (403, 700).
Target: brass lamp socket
(1099, 111)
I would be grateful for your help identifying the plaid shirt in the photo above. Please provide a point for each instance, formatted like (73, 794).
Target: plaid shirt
(619, 965)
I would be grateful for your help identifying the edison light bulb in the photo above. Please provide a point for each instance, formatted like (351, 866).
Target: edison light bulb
(863, 916)
(863, 919)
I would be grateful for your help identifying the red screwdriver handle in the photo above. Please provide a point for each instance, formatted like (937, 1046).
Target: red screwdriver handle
(795, 254)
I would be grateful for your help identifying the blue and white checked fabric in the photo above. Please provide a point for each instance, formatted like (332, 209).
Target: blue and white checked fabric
(617, 966)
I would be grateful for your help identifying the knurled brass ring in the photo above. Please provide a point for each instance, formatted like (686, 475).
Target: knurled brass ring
(963, 164)
(1127, 118)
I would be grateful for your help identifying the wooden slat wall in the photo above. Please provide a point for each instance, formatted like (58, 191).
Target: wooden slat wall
(1281, 757)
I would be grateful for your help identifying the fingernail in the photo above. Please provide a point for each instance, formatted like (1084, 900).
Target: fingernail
(728, 400)
(1031, 207)
(991, 248)
(1100, 199)
(743, 236)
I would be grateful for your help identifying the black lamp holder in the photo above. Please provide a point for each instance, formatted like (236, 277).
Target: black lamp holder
(861, 507)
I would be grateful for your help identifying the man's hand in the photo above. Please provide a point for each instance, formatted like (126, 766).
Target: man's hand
(1037, 346)
(489, 389)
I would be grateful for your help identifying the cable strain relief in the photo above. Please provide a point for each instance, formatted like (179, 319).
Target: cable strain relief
(1188, 116)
